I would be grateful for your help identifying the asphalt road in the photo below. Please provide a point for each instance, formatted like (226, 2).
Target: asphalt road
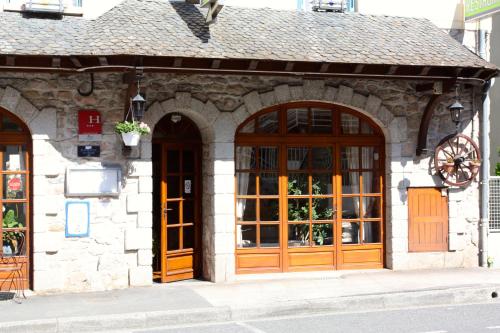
(461, 318)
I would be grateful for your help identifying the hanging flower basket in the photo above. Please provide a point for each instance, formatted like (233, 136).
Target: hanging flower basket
(131, 131)
(131, 138)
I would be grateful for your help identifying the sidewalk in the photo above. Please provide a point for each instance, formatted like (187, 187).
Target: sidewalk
(249, 297)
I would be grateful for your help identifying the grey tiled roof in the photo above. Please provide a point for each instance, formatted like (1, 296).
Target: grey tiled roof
(162, 28)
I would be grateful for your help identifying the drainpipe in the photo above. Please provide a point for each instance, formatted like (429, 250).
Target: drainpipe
(485, 166)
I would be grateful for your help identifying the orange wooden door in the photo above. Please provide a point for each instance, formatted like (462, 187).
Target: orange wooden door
(181, 218)
(428, 219)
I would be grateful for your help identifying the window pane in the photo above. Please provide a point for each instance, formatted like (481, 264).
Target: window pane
(366, 128)
(298, 209)
(322, 158)
(249, 127)
(15, 186)
(350, 182)
(269, 210)
(350, 158)
(14, 243)
(322, 183)
(322, 209)
(321, 121)
(269, 158)
(13, 158)
(173, 161)
(14, 215)
(297, 158)
(350, 232)
(173, 239)
(369, 157)
(173, 186)
(247, 235)
(371, 182)
(269, 183)
(350, 208)
(269, 236)
(371, 232)
(188, 211)
(172, 208)
(246, 183)
(298, 235)
(268, 123)
(10, 126)
(371, 207)
(188, 161)
(188, 238)
(297, 120)
(246, 210)
(349, 124)
(298, 184)
(322, 234)
(245, 158)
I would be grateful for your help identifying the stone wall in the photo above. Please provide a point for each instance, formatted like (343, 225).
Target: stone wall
(118, 252)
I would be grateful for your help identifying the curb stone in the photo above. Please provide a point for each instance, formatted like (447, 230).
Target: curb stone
(342, 304)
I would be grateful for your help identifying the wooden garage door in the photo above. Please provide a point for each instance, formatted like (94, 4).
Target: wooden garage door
(428, 219)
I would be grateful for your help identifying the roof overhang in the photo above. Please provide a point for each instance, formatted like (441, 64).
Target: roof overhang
(191, 65)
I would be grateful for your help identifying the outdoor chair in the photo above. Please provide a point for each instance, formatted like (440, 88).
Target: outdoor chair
(11, 264)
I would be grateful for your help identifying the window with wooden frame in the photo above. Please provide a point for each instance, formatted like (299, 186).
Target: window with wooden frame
(309, 189)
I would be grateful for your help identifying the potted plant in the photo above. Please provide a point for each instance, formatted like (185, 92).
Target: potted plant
(449, 165)
(131, 131)
(474, 165)
(11, 238)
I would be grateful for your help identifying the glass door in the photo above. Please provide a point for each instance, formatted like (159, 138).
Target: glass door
(181, 212)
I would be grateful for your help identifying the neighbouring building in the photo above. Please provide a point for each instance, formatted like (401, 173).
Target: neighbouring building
(281, 141)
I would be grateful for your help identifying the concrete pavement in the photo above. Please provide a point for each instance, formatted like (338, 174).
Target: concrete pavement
(250, 297)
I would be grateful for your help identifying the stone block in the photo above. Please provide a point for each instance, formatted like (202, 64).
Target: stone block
(330, 94)
(49, 242)
(39, 223)
(314, 89)
(344, 95)
(373, 104)
(144, 257)
(224, 243)
(358, 101)
(252, 102)
(26, 111)
(146, 150)
(139, 168)
(197, 105)
(282, 93)
(223, 184)
(220, 269)
(456, 242)
(225, 128)
(297, 93)
(398, 129)
(224, 167)
(44, 125)
(240, 115)
(145, 184)
(141, 276)
(52, 280)
(182, 101)
(224, 204)
(396, 245)
(132, 239)
(268, 99)
(144, 220)
(224, 224)
(10, 99)
(224, 150)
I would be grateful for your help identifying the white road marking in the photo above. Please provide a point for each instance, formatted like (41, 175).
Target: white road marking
(250, 327)
(493, 328)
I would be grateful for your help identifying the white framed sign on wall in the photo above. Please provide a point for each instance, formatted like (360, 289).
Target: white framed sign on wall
(93, 182)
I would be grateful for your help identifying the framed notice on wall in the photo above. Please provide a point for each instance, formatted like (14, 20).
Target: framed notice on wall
(77, 219)
(93, 182)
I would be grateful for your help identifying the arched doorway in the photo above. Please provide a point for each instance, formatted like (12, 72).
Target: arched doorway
(177, 199)
(309, 190)
(15, 199)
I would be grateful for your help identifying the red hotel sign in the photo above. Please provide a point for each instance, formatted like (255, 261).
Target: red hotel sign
(89, 125)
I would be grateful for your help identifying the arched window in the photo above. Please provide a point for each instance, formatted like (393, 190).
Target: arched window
(309, 189)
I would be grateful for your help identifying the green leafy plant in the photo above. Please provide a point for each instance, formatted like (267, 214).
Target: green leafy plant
(490, 262)
(497, 170)
(132, 126)
(11, 238)
(299, 212)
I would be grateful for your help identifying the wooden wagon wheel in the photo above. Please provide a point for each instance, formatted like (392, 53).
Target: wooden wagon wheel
(457, 159)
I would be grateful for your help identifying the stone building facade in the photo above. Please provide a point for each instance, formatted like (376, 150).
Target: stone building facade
(118, 252)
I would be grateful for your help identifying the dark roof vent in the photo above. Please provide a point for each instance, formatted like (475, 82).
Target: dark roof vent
(53, 8)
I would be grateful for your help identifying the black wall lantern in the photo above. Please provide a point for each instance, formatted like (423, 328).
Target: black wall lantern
(456, 110)
(138, 102)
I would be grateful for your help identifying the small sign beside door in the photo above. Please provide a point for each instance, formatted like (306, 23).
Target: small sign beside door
(187, 186)
(89, 125)
(77, 219)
